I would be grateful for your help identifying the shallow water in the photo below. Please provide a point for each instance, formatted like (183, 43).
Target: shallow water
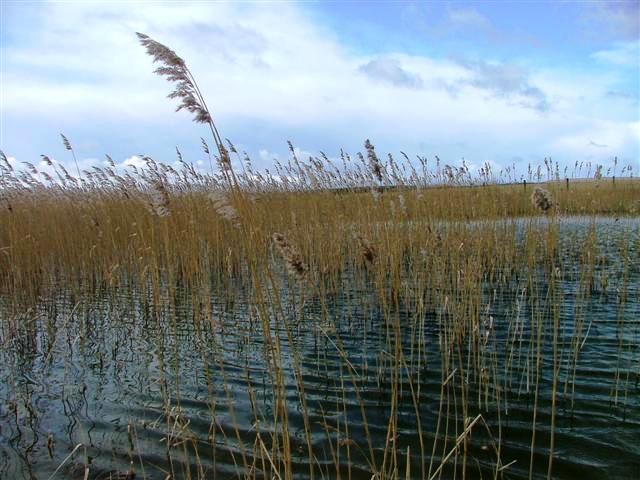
(124, 376)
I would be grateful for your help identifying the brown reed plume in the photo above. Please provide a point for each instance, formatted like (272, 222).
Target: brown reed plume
(224, 208)
(369, 252)
(4, 162)
(541, 199)
(68, 146)
(374, 163)
(290, 254)
(158, 203)
(175, 69)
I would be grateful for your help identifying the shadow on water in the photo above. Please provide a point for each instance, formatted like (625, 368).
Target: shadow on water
(194, 385)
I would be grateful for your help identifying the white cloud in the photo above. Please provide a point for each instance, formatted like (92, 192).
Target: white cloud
(618, 19)
(506, 81)
(390, 70)
(600, 138)
(267, 156)
(272, 66)
(133, 161)
(469, 17)
(624, 54)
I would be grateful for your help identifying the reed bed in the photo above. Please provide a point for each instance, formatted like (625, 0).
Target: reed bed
(337, 318)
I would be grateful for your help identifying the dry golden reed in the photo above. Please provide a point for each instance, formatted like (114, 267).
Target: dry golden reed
(292, 257)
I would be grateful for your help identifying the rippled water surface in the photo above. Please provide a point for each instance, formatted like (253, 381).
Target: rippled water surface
(173, 386)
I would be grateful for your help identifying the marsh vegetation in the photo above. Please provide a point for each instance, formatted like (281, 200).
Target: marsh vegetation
(350, 318)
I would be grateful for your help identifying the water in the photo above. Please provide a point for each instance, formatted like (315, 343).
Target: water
(188, 388)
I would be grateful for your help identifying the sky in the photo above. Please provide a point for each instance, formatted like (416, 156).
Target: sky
(504, 82)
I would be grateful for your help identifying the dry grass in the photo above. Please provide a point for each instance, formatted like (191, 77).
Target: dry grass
(426, 241)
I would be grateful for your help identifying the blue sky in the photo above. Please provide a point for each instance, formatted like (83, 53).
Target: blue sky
(501, 82)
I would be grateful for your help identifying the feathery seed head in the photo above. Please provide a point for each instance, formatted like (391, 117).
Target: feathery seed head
(223, 207)
(598, 174)
(175, 70)
(224, 160)
(541, 199)
(205, 147)
(159, 199)
(160, 53)
(368, 251)
(66, 143)
(232, 147)
(291, 256)
(374, 163)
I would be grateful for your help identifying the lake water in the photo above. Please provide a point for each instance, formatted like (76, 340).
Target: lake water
(139, 382)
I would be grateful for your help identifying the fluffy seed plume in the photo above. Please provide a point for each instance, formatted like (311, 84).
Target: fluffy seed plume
(175, 70)
(223, 207)
(5, 166)
(159, 199)
(374, 163)
(369, 252)
(68, 146)
(402, 204)
(541, 199)
(232, 147)
(598, 174)
(205, 147)
(160, 53)
(66, 142)
(224, 161)
(290, 254)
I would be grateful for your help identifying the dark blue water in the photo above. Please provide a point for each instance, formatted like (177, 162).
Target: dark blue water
(191, 385)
